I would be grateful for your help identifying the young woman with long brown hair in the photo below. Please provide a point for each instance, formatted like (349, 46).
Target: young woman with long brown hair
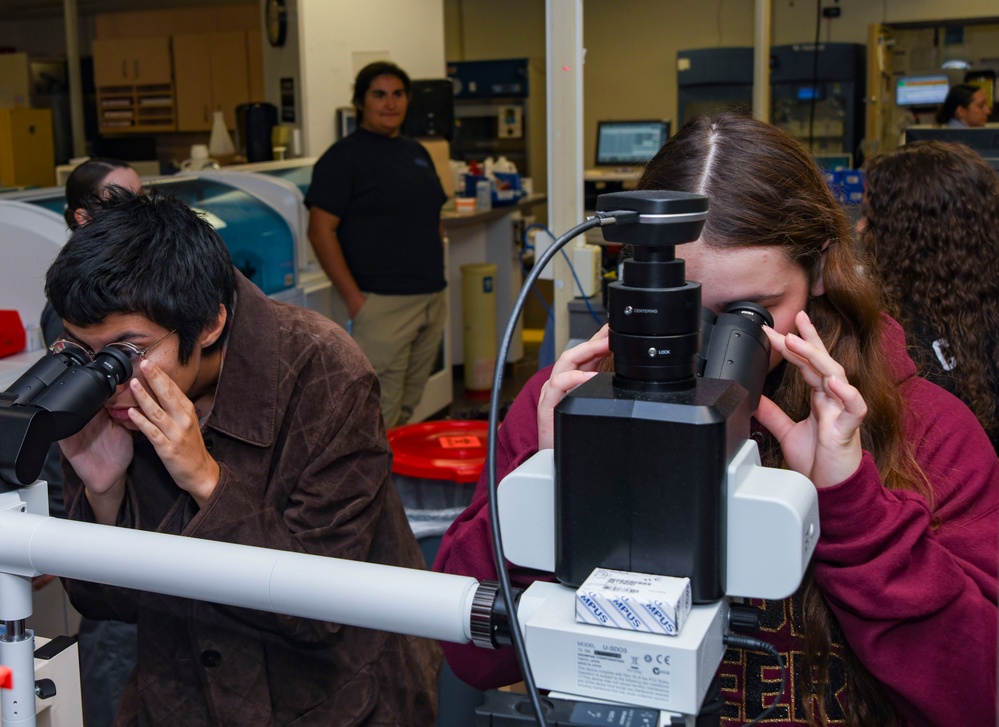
(895, 623)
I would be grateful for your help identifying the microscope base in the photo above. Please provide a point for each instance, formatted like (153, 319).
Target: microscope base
(670, 673)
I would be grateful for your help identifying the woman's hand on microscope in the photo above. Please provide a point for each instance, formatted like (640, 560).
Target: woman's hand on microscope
(825, 446)
(574, 367)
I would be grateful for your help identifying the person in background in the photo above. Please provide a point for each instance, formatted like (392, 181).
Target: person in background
(895, 622)
(374, 222)
(107, 648)
(245, 421)
(966, 106)
(931, 224)
(85, 185)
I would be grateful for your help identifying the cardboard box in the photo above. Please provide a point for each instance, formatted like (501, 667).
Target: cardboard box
(634, 601)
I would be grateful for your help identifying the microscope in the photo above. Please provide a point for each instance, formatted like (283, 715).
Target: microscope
(654, 472)
(53, 399)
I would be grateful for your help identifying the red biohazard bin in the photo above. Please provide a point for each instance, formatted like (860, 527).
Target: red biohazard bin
(435, 466)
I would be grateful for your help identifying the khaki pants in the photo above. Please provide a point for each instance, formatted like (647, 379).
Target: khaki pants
(401, 336)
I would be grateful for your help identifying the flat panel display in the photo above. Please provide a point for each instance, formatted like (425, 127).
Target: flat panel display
(921, 90)
(629, 143)
(983, 140)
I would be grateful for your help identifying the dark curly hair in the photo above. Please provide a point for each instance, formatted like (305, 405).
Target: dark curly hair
(932, 228)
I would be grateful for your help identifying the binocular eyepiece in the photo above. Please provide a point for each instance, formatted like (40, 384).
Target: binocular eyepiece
(735, 347)
(72, 387)
(52, 400)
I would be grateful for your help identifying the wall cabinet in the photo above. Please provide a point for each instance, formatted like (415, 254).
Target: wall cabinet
(136, 61)
(134, 79)
(211, 72)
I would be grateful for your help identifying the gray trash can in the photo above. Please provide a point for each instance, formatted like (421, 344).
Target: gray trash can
(435, 466)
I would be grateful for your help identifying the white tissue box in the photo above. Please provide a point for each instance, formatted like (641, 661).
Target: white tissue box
(634, 601)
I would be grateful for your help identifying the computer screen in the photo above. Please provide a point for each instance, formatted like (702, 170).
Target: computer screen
(834, 162)
(629, 143)
(983, 140)
(921, 90)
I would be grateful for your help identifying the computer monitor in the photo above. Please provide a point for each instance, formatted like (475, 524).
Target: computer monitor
(629, 143)
(983, 140)
(834, 162)
(929, 90)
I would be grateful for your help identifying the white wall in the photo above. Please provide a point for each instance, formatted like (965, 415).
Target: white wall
(330, 40)
(904, 11)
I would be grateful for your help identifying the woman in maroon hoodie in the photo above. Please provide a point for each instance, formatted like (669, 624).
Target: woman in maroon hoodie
(895, 622)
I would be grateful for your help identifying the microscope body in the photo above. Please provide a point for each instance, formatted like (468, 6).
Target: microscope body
(640, 480)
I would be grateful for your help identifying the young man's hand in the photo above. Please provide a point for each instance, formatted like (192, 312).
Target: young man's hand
(100, 454)
(168, 419)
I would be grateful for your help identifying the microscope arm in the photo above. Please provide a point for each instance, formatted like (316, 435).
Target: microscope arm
(390, 598)
(401, 600)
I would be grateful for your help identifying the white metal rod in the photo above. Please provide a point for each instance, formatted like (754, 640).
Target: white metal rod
(389, 598)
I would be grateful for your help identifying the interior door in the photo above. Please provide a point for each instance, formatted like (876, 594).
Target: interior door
(879, 135)
(193, 76)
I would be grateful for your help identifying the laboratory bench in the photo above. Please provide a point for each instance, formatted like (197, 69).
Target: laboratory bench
(486, 236)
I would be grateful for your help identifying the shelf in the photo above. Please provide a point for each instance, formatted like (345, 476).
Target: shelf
(135, 109)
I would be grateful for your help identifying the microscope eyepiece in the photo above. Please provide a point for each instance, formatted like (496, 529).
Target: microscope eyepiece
(52, 400)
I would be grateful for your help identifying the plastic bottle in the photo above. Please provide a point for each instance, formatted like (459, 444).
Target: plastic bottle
(483, 195)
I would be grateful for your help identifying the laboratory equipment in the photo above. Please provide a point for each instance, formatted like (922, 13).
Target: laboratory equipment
(712, 80)
(431, 109)
(817, 94)
(254, 122)
(259, 233)
(499, 111)
(779, 517)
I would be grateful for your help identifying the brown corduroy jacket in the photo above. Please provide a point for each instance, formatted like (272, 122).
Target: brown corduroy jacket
(305, 466)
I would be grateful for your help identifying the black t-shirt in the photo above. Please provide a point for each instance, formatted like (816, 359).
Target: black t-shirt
(388, 198)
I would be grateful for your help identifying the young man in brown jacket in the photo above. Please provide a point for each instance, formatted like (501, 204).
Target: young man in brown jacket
(246, 421)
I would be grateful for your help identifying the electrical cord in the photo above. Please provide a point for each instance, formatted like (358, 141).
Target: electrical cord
(572, 269)
(599, 220)
(748, 642)
(524, 269)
